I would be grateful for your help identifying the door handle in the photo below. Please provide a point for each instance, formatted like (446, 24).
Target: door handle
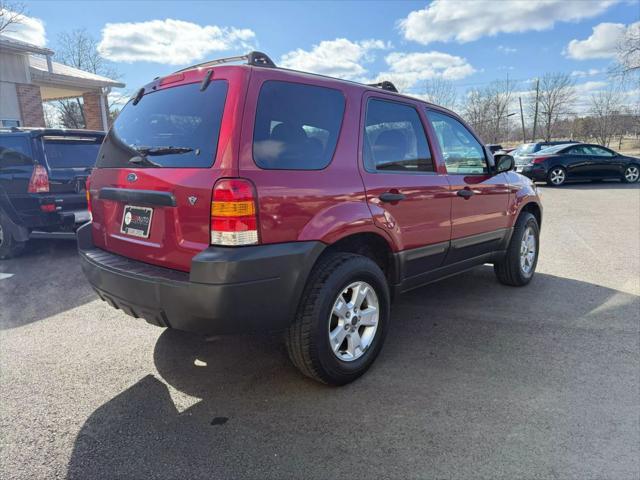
(389, 197)
(465, 193)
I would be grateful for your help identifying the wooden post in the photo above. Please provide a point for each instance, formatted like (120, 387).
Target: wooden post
(524, 135)
(535, 112)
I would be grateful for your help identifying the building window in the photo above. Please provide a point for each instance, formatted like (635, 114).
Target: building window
(9, 123)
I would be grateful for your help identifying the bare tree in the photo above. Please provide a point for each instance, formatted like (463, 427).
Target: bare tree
(605, 109)
(11, 13)
(441, 92)
(629, 51)
(79, 49)
(476, 111)
(556, 97)
(499, 94)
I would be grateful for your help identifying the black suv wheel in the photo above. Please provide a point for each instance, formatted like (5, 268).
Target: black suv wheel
(519, 264)
(342, 319)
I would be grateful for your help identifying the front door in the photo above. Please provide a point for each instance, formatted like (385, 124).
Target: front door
(408, 198)
(480, 199)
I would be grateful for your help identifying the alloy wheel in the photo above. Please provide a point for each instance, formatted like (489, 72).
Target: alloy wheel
(557, 176)
(528, 251)
(353, 321)
(631, 174)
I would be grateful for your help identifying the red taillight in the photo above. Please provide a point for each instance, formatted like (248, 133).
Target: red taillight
(48, 207)
(234, 218)
(539, 159)
(39, 182)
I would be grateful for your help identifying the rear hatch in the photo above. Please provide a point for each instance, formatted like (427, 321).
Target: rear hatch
(151, 190)
(69, 158)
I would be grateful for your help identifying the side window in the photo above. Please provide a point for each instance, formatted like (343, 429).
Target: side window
(600, 152)
(15, 151)
(463, 154)
(394, 139)
(297, 126)
(580, 150)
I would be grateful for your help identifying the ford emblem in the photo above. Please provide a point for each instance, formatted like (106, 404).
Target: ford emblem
(132, 177)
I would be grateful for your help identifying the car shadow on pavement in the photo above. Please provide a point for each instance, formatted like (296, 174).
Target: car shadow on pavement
(476, 380)
(45, 280)
(597, 185)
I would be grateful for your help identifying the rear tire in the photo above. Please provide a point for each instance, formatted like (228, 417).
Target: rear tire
(519, 265)
(631, 174)
(557, 176)
(9, 247)
(331, 288)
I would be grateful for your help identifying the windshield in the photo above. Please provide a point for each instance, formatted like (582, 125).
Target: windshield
(71, 152)
(173, 127)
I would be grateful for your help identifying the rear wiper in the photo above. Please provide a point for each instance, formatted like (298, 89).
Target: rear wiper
(162, 150)
(142, 160)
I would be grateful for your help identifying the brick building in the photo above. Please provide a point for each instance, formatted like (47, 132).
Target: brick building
(29, 77)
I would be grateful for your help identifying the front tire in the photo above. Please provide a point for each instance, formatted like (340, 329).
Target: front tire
(9, 246)
(519, 264)
(342, 319)
(631, 174)
(557, 176)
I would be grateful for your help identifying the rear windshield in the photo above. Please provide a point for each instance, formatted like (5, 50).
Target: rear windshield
(525, 148)
(554, 149)
(71, 152)
(173, 127)
(297, 126)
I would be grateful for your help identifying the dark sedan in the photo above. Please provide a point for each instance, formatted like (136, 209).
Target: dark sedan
(562, 163)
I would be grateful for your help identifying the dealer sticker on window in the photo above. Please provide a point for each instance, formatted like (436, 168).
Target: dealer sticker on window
(136, 221)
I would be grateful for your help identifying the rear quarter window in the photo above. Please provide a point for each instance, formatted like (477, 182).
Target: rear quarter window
(297, 126)
(15, 151)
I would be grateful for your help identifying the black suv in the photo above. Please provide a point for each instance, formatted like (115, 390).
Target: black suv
(42, 182)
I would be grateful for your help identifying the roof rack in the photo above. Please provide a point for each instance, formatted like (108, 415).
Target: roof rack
(256, 59)
(386, 85)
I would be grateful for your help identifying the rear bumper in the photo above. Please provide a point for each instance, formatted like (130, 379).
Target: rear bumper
(229, 290)
(534, 172)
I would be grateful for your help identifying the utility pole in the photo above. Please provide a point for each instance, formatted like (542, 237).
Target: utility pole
(535, 112)
(524, 137)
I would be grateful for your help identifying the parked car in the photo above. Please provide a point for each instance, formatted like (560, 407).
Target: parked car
(242, 198)
(582, 161)
(522, 153)
(42, 182)
(494, 147)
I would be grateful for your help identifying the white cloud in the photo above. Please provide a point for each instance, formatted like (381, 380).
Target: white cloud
(465, 21)
(602, 43)
(503, 49)
(407, 69)
(169, 41)
(340, 58)
(587, 73)
(30, 29)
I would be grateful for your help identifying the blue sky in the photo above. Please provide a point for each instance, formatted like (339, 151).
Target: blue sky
(468, 42)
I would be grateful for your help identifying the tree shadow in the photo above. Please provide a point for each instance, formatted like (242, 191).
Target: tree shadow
(477, 380)
(45, 280)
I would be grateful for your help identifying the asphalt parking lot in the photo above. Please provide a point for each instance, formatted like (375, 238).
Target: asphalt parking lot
(476, 380)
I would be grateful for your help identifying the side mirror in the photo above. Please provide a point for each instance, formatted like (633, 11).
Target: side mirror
(504, 163)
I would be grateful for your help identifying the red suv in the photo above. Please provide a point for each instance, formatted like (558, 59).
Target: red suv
(244, 198)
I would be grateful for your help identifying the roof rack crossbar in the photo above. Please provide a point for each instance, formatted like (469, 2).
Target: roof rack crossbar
(256, 59)
(386, 85)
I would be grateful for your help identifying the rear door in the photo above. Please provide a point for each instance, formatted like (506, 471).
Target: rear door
(579, 162)
(408, 197)
(16, 167)
(480, 199)
(156, 170)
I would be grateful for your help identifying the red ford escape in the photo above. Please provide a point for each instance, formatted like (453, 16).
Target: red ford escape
(244, 198)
